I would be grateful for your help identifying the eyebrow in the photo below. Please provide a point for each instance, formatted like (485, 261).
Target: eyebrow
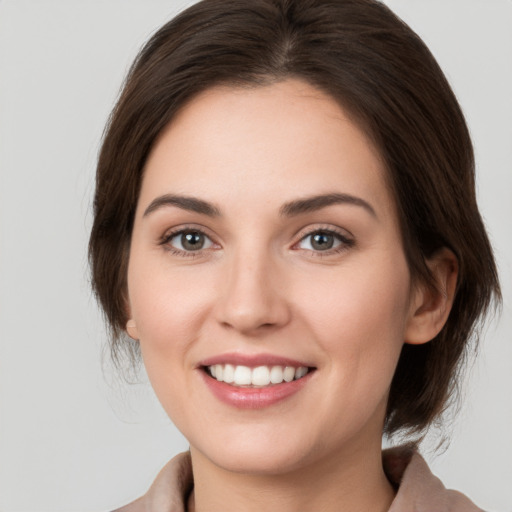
(313, 203)
(290, 209)
(192, 204)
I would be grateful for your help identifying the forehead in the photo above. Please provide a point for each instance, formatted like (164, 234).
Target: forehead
(236, 142)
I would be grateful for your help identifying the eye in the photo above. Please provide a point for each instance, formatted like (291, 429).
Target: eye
(323, 241)
(189, 241)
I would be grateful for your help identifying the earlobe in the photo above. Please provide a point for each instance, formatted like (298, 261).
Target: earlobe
(131, 326)
(430, 307)
(131, 329)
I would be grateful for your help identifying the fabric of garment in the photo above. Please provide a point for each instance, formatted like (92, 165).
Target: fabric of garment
(418, 490)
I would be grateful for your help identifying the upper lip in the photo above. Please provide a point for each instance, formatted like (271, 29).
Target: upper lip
(252, 360)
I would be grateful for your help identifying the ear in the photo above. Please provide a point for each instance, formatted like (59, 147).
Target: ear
(131, 329)
(131, 326)
(430, 308)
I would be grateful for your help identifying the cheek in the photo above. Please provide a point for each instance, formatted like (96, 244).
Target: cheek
(171, 307)
(359, 315)
(168, 309)
(359, 325)
(166, 302)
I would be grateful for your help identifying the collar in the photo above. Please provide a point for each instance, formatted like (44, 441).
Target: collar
(418, 490)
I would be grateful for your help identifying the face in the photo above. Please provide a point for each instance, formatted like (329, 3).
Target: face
(267, 282)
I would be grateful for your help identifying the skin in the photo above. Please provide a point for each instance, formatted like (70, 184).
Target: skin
(259, 286)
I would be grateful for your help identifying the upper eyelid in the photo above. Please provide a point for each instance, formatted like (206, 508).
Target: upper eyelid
(302, 233)
(172, 232)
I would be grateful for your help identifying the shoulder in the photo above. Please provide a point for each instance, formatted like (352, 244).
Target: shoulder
(418, 489)
(135, 506)
(169, 491)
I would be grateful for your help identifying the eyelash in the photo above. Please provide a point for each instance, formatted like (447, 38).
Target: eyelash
(166, 239)
(345, 242)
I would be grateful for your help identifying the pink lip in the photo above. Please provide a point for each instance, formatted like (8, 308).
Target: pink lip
(248, 397)
(252, 360)
(253, 398)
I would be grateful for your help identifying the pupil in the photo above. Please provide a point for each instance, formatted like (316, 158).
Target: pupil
(192, 241)
(322, 241)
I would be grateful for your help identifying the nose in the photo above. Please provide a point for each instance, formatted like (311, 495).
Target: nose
(253, 296)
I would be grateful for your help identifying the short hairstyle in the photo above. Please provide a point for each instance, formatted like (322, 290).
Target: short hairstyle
(362, 55)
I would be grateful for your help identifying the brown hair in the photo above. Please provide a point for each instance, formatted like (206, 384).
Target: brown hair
(361, 54)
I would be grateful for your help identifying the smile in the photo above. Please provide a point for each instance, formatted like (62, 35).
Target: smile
(253, 381)
(261, 376)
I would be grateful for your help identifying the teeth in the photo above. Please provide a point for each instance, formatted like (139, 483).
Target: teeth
(289, 373)
(261, 376)
(257, 377)
(300, 372)
(276, 375)
(242, 376)
(229, 373)
(219, 372)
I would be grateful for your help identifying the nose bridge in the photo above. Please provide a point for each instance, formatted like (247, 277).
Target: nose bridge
(250, 298)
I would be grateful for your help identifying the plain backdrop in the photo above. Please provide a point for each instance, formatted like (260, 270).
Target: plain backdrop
(73, 437)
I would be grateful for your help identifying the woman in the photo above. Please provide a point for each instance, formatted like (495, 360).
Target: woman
(286, 225)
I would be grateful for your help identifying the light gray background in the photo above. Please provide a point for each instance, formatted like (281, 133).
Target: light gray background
(73, 438)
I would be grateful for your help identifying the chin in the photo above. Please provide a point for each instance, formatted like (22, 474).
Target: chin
(258, 462)
(256, 452)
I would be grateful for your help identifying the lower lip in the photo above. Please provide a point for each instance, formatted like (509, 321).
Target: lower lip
(254, 398)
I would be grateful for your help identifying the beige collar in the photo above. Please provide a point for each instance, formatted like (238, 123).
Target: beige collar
(418, 490)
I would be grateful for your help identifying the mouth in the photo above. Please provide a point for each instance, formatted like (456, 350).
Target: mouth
(254, 381)
(241, 376)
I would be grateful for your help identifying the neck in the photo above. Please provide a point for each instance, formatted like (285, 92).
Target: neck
(345, 482)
